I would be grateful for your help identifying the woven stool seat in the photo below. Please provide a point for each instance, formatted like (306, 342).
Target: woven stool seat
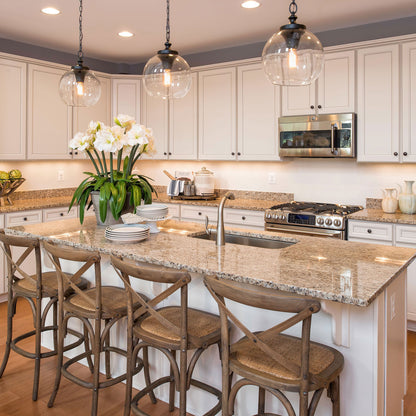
(113, 298)
(49, 285)
(203, 326)
(323, 360)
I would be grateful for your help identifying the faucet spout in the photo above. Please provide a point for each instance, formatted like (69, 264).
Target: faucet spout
(220, 224)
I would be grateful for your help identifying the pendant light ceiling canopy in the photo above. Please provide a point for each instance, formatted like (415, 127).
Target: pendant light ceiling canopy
(79, 87)
(167, 74)
(293, 56)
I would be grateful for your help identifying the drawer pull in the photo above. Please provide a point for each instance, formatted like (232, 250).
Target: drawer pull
(243, 218)
(25, 219)
(199, 213)
(369, 231)
(61, 214)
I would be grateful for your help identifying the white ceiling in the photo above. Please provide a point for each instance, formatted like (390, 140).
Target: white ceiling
(196, 25)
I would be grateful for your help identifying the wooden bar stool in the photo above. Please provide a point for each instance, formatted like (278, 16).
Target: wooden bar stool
(270, 360)
(168, 330)
(100, 303)
(32, 288)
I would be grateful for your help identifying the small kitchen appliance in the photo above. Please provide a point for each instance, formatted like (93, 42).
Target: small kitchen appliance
(204, 182)
(322, 135)
(310, 218)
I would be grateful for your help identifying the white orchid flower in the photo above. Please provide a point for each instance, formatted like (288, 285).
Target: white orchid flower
(105, 141)
(81, 141)
(125, 121)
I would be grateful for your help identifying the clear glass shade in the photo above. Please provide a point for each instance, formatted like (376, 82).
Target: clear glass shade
(78, 93)
(293, 57)
(167, 76)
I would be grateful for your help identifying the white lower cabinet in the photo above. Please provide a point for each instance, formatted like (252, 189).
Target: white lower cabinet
(244, 218)
(53, 214)
(399, 235)
(174, 211)
(198, 213)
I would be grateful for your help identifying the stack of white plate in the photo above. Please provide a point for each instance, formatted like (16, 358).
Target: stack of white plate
(127, 233)
(152, 211)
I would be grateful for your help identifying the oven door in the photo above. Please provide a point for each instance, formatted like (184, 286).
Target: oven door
(302, 230)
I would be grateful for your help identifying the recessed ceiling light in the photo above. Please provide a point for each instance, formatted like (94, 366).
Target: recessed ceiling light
(50, 10)
(250, 4)
(125, 34)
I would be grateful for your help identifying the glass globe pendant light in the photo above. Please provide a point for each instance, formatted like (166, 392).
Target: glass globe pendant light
(79, 87)
(293, 56)
(167, 75)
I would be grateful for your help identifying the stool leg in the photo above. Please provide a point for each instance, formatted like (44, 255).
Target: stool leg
(172, 387)
(88, 349)
(182, 382)
(96, 349)
(9, 333)
(55, 325)
(262, 398)
(38, 333)
(335, 398)
(107, 353)
(147, 374)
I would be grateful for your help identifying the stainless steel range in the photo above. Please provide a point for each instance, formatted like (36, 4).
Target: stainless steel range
(311, 218)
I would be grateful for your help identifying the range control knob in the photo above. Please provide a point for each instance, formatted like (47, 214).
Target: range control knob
(268, 215)
(328, 221)
(275, 216)
(282, 217)
(320, 221)
(337, 223)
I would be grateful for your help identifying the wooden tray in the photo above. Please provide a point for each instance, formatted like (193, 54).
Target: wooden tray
(194, 197)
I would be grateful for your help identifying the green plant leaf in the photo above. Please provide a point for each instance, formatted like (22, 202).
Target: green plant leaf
(103, 204)
(99, 183)
(121, 198)
(113, 207)
(136, 196)
(82, 203)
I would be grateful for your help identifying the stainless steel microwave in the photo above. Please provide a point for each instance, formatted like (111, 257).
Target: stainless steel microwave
(322, 135)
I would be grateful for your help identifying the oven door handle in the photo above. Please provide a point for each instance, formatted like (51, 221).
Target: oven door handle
(333, 128)
(324, 232)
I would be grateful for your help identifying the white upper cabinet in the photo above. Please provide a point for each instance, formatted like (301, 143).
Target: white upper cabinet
(332, 92)
(378, 104)
(409, 102)
(336, 84)
(183, 125)
(217, 114)
(12, 109)
(49, 119)
(98, 112)
(155, 116)
(126, 97)
(258, 113)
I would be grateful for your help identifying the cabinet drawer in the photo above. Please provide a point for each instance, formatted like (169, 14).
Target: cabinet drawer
(370, 230)
(53, 214)
(174, 210)
(244, 217)
(198, 213)
(405, 234)
(22, 218)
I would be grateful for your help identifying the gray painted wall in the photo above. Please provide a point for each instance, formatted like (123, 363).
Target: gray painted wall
(371, 31)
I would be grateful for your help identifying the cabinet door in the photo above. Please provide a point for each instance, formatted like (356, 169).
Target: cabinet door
(155, 116)
(298, 100)
(378, 104)
(98, 112)
(183, 125)
(258, 113)
(12, 109)
(126, 97)
(217, 114)
(409, 102)
(336, 83)
(49, 118)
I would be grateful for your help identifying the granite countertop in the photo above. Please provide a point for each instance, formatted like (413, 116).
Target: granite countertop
(378, 215)
(336, 270)
(36, 203)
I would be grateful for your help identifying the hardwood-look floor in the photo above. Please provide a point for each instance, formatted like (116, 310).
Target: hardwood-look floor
(73, 400)
(16, 383)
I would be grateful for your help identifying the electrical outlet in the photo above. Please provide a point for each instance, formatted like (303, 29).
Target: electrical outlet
(271, 178)
(60, 175)
(392, 306)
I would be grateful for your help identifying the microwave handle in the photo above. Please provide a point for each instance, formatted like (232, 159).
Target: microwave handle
(333, 128)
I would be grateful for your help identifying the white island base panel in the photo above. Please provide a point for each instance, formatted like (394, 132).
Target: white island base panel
(372, 340)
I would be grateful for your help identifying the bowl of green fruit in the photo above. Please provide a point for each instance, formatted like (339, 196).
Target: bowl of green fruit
(9, 182)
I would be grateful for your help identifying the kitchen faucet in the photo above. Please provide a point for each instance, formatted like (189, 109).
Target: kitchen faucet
(220, 223)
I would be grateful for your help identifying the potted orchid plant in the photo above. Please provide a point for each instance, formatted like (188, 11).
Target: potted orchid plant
(113, 152)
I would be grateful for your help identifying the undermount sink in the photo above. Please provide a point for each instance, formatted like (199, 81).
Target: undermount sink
(245, 240)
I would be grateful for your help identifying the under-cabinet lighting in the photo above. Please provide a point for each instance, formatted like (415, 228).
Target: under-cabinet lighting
(250, 4)
(125, 34)
(50, 10)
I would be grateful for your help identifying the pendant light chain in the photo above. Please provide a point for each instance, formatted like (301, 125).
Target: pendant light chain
(168, 22)
(293, 8)
(80, 54)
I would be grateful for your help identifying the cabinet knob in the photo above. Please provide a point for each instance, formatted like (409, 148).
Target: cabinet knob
(312, 107)
(165, 153)
(170, 154)
(404, 153)
(232, 153)
(369, 231)
(76, 153)
(243, 218)
(238, 154)
(319, 106)
(199, 213)
(61, 214)
(70, 153)
(25, 219)
(395, 154)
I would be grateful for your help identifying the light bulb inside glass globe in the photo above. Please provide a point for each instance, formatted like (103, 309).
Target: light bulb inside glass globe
(167, 75)
(80, 87)
(293, 57)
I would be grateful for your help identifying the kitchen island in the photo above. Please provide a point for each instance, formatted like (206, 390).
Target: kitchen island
(361, 288)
